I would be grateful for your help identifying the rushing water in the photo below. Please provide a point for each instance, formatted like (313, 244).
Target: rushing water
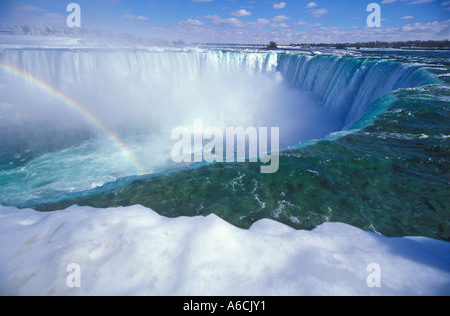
(365, 136)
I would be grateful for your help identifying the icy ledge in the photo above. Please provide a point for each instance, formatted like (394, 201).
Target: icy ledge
(134, 251)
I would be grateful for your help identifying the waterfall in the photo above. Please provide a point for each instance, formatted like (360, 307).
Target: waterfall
(138, 89)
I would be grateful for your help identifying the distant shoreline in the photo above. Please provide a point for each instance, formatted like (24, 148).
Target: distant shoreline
(414, 45)
(410, 45)
(62, 33)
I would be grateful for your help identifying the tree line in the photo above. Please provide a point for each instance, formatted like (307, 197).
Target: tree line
(432, 45)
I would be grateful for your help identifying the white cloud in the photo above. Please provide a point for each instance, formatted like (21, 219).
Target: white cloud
(30, 8)
(280, 5)
(54, 15)
(212, 17)
(37, 16)
(233, 22)
(280, 18)
(315, 33)
(446, 3)
(241, 12)
(311, 5)
(279, 21)
(301, 22)
(260, 23)
(388, 1)
(263, 21)
(136, 17)
(191, 22)
(319, 12)
(214, 28)
(275, 22)
(432, 27)
(235, 31)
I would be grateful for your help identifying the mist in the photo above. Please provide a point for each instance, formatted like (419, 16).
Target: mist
(90, 116)
(137, 92)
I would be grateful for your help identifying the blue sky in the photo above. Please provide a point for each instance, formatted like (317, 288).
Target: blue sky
(244, 21)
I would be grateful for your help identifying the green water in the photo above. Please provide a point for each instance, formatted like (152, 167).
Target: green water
(391, 178)
(387, 172)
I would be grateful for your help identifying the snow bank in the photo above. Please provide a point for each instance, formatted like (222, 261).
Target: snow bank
(134, 251)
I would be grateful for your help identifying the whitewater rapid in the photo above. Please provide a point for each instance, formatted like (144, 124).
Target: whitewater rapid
(74, 119)
(71, 118)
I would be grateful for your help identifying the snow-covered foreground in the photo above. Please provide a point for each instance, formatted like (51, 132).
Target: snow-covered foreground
(134, 251)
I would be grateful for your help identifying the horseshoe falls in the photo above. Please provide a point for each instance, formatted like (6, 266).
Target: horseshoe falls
(87, 177)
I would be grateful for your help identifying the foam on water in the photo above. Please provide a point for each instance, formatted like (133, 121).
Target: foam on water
(141, 95)
(396, 187)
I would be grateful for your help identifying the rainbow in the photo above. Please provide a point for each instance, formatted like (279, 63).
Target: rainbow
(79, 108)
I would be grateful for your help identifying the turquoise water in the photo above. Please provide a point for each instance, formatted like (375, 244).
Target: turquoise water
(384, 167)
